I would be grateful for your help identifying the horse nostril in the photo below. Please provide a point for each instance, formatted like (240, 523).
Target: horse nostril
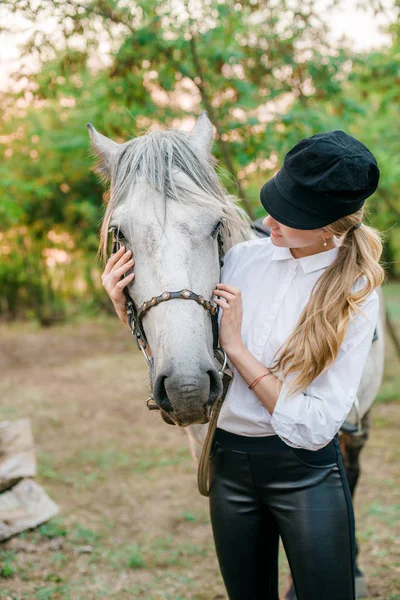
(160, 394)
(215, 386)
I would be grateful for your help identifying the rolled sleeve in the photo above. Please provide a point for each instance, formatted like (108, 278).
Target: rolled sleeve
(310, 419)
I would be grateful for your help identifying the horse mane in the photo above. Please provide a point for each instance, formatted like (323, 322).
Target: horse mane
(158, 158)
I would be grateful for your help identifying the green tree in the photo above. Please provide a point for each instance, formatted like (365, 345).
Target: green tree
(265, 72)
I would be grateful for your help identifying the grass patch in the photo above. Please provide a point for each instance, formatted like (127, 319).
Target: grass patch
(135, 558)
(7, 564)
(154, 458)
(197, 517)
(387, 514)
(57, 591)
(59, 559)
(8, 412)
(107, 459)
(164, 551)
(53, 529)
(130, 556)
(83, 535)
(187, 516)
(159, 552)
(96, 465)
(46, 466)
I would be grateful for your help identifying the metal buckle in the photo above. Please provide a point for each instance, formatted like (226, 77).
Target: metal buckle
(151, 404)
(224, 360)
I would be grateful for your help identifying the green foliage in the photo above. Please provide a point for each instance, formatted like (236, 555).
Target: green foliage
(266, 73)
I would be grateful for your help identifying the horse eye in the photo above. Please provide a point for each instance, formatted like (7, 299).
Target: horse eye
(118, 233)
(216, 229)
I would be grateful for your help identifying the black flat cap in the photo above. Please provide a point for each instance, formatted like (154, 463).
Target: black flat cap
(323, 178)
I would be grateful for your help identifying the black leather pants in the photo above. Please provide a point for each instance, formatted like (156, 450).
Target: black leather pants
(262, 489)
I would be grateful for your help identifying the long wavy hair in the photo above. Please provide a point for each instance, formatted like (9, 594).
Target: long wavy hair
(314, 344)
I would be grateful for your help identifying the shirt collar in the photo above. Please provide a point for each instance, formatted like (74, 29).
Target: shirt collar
(308, 263)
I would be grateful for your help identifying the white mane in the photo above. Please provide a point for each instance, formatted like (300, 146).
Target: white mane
(159, 159)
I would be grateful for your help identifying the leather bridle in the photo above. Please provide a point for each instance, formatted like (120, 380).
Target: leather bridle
(135, 315)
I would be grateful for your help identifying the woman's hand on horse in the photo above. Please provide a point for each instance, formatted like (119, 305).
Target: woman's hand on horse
(230, 301)
(117, 265)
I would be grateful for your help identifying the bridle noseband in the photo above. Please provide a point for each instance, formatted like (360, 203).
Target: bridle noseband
(135, 313)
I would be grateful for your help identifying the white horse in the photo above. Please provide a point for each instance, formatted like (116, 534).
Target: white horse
(167, 203)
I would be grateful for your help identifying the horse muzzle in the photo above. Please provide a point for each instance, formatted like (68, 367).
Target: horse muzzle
(184, 401)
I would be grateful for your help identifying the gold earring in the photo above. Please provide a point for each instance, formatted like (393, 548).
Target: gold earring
(325, 243)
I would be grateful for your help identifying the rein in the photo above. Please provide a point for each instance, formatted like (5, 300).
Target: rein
(135, 316)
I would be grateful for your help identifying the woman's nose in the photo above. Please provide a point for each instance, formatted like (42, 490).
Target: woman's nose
(267, 222)
(270, 222)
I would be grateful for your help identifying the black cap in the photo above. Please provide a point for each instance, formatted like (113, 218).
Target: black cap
(323, 178)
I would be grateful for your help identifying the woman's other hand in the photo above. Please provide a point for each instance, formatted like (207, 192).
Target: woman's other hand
(117, 265)
(230, 301)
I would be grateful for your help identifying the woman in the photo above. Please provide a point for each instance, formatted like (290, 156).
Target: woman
(298, 315)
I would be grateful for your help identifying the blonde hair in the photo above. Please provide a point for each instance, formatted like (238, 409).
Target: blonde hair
(315, 342)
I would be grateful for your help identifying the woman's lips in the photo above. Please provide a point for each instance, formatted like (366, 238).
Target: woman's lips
(275, 234)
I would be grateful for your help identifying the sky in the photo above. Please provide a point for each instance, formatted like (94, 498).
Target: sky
(361, 27)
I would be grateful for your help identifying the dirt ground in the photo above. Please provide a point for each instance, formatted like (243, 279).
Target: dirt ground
(132, 523)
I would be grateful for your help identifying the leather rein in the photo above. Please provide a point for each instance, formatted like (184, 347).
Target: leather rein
(135, 316)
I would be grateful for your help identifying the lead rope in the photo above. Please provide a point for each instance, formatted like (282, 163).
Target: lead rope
(203, 470)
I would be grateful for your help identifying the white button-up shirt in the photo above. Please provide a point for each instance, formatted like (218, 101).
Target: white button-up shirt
(275, 288)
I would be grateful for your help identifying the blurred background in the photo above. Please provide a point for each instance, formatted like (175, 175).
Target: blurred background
(269, 73)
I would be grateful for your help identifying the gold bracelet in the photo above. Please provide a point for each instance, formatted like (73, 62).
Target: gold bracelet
(257, 380)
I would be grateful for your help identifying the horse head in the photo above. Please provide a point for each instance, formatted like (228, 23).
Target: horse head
(168, 206)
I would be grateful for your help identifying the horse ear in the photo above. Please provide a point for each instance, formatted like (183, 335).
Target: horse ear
(202, 135)
(104, 148)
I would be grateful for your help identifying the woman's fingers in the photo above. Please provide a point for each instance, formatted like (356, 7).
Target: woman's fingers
(223, 294)
(122, 260)
(114, 258)
(228, 288)
(118, 272)
(111, 279)
(221, 303)
(114, 272)
(116, 294)
(124, 282)
(117, 266)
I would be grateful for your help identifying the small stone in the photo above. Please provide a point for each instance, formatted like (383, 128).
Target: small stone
(85, 549)
(56, 544)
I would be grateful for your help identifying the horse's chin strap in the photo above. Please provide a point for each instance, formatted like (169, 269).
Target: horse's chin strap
(135, 313)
